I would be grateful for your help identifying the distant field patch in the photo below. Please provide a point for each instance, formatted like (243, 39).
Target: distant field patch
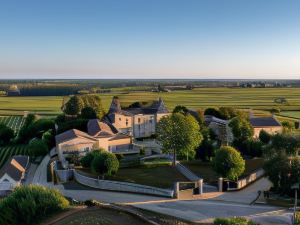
(243, 98)
(9, 151)
(14, 122)
(293, 114)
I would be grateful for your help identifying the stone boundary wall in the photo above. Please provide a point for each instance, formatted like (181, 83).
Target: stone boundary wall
(121, 186)
(66, 175)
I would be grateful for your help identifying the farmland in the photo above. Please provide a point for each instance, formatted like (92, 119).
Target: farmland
(291, 114)
(14, 122)
(244, 98)
(8, 151)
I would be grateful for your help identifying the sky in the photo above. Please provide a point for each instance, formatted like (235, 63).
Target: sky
(205, 39)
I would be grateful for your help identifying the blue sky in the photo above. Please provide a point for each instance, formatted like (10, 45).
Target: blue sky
(149, 39)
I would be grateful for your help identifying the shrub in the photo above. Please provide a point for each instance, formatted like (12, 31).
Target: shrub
(49, 138)
(79, 124)
(88, 113)
(105, 163)
(6, 134)
(37, 147)
(28, 204)
(36, 129)
(264, 137)
(212, 112)
(91, 203)
(229, 163)
(233, 221)
(86, 161)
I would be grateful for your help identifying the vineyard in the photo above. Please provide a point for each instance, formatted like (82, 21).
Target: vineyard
(9, 151)
(14, 122)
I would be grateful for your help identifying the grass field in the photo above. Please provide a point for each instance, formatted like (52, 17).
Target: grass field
(255, 98)
(292, 114)
(8, 151)
(14, 122)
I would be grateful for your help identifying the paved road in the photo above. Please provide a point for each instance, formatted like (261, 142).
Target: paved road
(206, 210)
(248, 194)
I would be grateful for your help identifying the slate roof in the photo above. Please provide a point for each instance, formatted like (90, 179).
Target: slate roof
(157, 107)
(15, 167)
(99, 129)
(264, 122)
(70, 134)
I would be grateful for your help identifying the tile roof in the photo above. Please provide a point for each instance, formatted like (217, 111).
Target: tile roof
(264, 122)
(97, 128)
(70, 134)
(15, 167)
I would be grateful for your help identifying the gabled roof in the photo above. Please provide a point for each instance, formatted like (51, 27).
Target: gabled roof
(264, 122)
(157, 107)
(71, 134)
(15, 167)
(100, 129)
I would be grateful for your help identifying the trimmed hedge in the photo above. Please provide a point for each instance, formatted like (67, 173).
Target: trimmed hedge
(233, 221)
(30, 204)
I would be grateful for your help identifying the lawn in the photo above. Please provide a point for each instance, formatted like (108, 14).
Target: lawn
(162, 176)
(255, 98)
(205, 170)
(100, 217)
(157, 176)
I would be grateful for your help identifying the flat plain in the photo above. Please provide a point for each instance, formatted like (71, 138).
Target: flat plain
(199, 98)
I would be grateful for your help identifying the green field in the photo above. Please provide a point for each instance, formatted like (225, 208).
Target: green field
(245, 98)
(292, 114)
(14, 122)
(9, 151)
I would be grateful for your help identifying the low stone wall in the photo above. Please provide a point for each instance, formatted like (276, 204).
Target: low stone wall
(63, 175)
(248, 180)
(121, 186)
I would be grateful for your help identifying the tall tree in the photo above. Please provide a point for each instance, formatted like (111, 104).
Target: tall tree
(242, 132)
(74, 105)
(179, 134)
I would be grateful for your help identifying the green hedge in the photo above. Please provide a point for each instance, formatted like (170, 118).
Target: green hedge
(233, 221)
(30, 204)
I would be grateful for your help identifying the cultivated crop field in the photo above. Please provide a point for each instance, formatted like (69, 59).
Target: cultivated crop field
(245, 98)
(9, 151)
(14, 122)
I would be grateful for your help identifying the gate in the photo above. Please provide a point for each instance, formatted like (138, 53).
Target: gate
(188, 189)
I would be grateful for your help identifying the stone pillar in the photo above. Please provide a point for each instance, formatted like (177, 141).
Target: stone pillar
(200, 185)
(220, 184)
(176, 189)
